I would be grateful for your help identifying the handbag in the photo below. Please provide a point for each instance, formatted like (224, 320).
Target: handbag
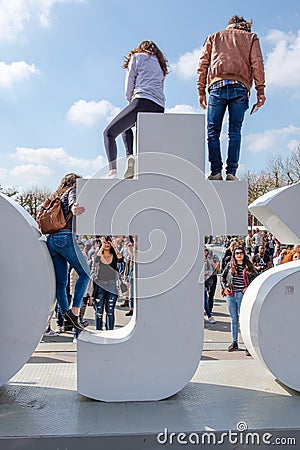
(123, 286)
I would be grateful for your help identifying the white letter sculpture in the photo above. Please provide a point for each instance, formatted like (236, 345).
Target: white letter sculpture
(170, 207)
(27, 287)
(270, 308)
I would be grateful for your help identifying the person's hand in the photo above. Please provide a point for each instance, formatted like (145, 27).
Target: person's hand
(114, 242)
(226, 291)
(202, 101)
(260, 100)
(77, 210)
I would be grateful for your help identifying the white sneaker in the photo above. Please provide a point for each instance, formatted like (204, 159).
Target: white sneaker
(109, 177)
(59, 330)
(211, 320)
(74, 340)
(129, 172)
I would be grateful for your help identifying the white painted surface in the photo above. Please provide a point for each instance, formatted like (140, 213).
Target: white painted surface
(27, 287)
(278, 210)
(270, 314)
(170, 207)
(271, 305)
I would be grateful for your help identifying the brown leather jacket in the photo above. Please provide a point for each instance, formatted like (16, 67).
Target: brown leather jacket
(231, 55)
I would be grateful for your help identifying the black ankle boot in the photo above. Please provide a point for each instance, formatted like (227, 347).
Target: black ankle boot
(70, 317)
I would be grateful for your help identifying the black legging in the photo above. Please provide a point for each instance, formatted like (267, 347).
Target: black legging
(123, 123)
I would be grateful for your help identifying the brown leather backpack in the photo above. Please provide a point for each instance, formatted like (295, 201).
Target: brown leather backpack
(50, 217)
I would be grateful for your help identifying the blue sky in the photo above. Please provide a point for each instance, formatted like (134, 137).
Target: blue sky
(61, 79)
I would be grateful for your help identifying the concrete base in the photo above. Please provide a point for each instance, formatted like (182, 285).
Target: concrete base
(40, 408)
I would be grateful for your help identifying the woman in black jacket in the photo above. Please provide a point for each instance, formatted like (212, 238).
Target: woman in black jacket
(236, 277)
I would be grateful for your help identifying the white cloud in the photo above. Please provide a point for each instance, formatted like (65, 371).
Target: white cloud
(57, 156)
(272, 140)
(182, 108)
(186, 66)
(89, 113)
(15, 15)
(10, 74)
(283, 61)
(45, 167)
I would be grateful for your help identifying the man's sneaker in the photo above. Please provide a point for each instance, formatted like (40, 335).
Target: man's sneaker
(70, 317)
(211, 320)
(129, 313)
(217, 177)
(84, 323)
(233, 347)
(230, 177)
(129, 172)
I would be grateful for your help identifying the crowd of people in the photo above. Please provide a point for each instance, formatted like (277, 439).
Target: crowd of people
(111, 267)
(243, 260)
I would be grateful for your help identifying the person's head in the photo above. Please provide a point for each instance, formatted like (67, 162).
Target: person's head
(239, 257)
(206, 252)
(239, 23)
(106, 244)
(150, 48)
(261, 250)
(239, 254)
(293, 255)
(68, 181)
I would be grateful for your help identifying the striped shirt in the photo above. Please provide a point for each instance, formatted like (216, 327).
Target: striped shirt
(238, 280)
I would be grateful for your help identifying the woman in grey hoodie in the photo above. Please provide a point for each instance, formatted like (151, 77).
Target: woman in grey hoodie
(144, 89)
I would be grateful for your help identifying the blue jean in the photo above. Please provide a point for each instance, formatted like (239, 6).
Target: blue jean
(206, 304)
(234, 306)
(65, 251)
(106, 297)
(235, 97)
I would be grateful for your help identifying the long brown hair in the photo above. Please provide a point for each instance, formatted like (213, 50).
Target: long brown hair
(151, 48)
(250, 269)
(289, 256)
(66, 183)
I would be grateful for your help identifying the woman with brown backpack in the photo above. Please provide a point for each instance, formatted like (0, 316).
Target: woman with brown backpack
(65, 252)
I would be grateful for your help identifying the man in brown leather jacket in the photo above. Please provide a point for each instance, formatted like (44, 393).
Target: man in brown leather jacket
(231, 59)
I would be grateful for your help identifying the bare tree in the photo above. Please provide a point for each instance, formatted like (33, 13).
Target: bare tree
(32, 199)
(9, 191)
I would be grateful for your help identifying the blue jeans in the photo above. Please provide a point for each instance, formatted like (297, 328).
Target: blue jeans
(235, 97)
(65, 251)
(106, 297)
(206, 304)
(234, 305)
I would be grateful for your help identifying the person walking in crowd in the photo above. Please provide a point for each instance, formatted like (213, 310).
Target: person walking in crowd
(104, 275)
(65, 252)
(231, 59)
(214, 279)
(236, 277)
(248, 243)
(278, 259)
(144, 88)
(261, 260)
(258, 240)
(209, 268)
(129, 274)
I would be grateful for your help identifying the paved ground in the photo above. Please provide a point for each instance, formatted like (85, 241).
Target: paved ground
(217, 336)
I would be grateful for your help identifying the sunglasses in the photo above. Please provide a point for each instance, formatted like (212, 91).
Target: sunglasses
(238, 253)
